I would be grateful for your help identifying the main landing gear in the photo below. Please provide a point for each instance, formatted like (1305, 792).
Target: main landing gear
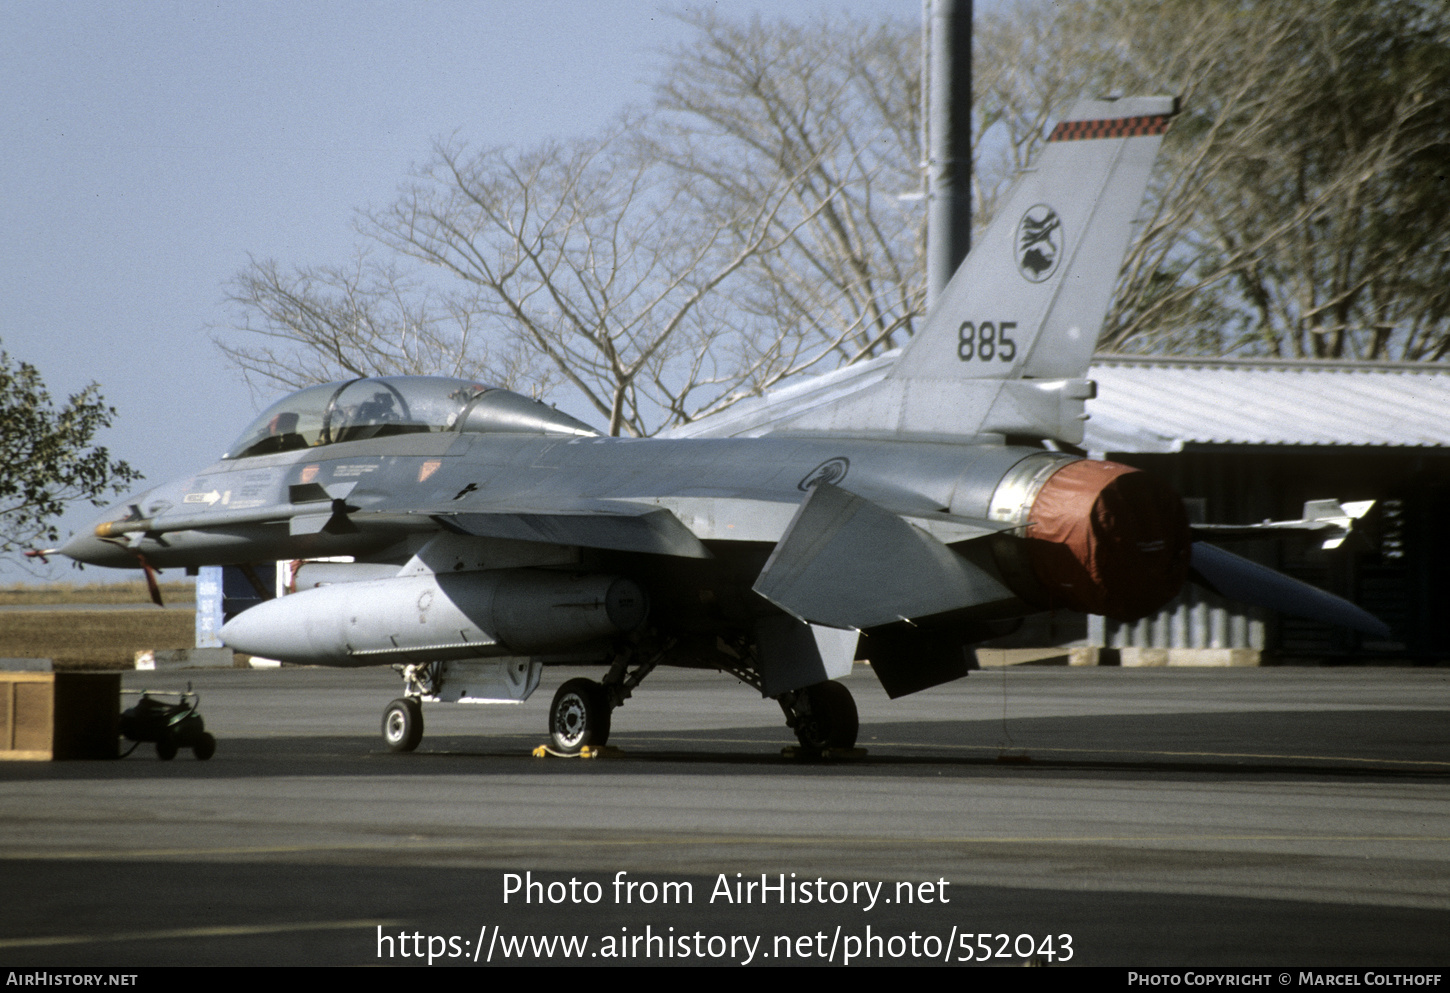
(579, 716)
(823, 716)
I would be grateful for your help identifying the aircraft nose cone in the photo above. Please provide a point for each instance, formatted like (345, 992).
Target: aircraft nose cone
(86, 547)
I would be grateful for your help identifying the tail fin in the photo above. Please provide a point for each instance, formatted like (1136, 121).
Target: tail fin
(1004, 349)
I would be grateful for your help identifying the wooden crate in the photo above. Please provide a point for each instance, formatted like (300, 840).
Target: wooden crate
(59, 715)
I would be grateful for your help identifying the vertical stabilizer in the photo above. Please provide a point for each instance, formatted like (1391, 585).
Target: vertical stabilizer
(1004, 350)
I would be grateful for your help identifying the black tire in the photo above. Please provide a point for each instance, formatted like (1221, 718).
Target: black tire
(205, 746)
(166, 747)
(403, 724)
(832, 721)
(579, 716)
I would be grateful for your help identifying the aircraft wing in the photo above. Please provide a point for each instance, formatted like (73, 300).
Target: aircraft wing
(678, 525)
(614, 524)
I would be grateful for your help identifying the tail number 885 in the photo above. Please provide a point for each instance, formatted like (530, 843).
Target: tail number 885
(986, 341)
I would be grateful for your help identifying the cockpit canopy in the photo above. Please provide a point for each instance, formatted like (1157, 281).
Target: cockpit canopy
(386, 405)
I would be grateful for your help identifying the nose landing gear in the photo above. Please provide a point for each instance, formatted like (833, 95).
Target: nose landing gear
(403, 724)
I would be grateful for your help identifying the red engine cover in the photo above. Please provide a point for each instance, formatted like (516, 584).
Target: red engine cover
(1108, 539)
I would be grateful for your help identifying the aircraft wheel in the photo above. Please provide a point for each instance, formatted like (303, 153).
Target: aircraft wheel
(831, 720)
(205, 746)
(579, 716)
(403, 724)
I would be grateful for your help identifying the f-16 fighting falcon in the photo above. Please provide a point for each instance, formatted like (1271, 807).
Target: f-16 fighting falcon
(901, 510)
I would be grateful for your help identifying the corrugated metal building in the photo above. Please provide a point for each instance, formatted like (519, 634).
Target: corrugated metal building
(1249, 440)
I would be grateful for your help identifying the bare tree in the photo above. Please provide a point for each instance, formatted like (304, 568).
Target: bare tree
(747, 229)
(591, 256)
(316, 325)
(829, 111)
(759, 221)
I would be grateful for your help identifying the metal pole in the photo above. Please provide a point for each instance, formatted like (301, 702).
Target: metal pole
(949, 131)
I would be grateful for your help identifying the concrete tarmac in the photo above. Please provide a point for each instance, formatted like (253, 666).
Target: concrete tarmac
(1273, 817)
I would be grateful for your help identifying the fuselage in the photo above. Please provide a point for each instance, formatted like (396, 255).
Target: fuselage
(401, 487)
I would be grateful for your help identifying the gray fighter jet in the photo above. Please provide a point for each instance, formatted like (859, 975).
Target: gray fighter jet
(901, 510)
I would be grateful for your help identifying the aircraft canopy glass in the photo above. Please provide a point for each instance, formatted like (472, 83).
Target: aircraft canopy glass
(389, 405)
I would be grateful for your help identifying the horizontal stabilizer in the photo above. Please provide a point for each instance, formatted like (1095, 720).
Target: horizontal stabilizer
(650, 529)
(1248, 582)
(842, 551)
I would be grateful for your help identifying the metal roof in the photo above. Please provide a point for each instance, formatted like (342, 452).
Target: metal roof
(1161, 405)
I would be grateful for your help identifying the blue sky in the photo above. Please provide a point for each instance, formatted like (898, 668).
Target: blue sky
(151, 149)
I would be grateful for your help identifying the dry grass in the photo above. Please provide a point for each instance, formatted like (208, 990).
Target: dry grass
(93, 639)
(21, 595)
